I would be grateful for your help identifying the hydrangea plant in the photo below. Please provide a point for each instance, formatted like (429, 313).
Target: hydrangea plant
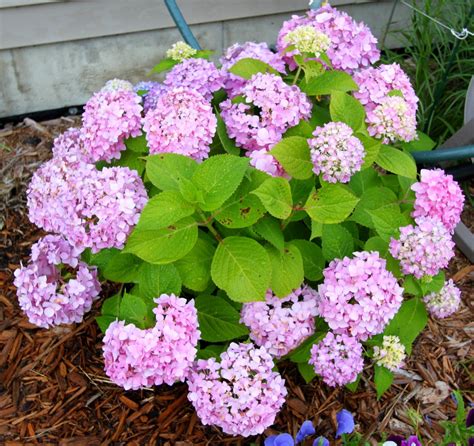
(266, 209)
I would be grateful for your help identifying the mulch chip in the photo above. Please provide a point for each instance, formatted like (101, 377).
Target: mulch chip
(53, 389)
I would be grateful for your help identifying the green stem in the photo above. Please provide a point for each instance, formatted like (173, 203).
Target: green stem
(297, 75)
(206, 222)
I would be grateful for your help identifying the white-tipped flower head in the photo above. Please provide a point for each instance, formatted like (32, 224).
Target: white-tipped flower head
(392, 353)
(307, 39)
(180, 51)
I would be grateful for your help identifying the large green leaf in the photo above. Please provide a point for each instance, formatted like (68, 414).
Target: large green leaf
(396, 161)
(387, 220)
(154, 280)
(122, 268)
(306, 371)
(242, 268)
(226, 141)
(347, 109)
(363, 180)
(165, 245)
(423, 142)
(329, 82)
(270, 230)
(337, 242)
(135, 310)
(313, 259)
(137, 144)
(275, 194)
(164, 65)
(167, 170)
(195, 267)
(383, 379)
(371, 199)
(409, 322)
(287, 269)
(247, 67)
(163, 210)
(293, 154)
(332, 203)
(372, 148)
(218, 178)
(218, 320)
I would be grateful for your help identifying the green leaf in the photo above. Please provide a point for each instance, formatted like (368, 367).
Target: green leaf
(122, 268)
(167, 170)
(270, 230)
(396, 161)
(316, 229)
(424, 142)
(313, 259)
(332, 203)
(372, 199)
(395, 93)
(383, 379)
(135, 310)
(337, 242)
(242, 210)
(293, 154)
(111, 306)
(347, 109)
(287, 269)
(103, 257)
(329, 82)
(275, 194)
(432, 284)
(412, 286)
(306, 371)
(164, 65)
(247, 67)
(218, 177)
(165, 245)
(363, 180)
(302, 129)
(203, 54)
(226, 141)
(242, 268)
(319, 116)
(163, 210)
(104, 321)
(377, 244)
(131, 159)
(409, 322)
(137, 144)
(212, 351)
(352, 387)
(302, 353)
(372, 149)
(154, 280)
(195, 267)
(218, 320)
(387, 220)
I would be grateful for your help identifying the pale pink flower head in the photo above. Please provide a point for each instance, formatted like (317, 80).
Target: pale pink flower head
(181, 122)
(251, 50)
(241, 394)
(281, 324)
(69, 147)
(335, 152)
(110, 117)
(198, 74)
(353, 46)
(136, 358)
(337, 359)
(280, 106)
(445, 302)
(438, 196)
(424, 249)
(266, 162)
(48, 298)
(359, 295)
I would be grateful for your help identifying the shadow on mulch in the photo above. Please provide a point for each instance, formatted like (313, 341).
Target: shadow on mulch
(53, 389)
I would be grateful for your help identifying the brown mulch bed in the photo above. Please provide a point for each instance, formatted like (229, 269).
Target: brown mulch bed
(53, 389)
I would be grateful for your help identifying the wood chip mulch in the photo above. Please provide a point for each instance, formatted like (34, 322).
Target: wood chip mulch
(53, 389)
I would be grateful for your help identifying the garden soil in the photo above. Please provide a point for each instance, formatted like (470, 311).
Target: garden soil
(53, 389)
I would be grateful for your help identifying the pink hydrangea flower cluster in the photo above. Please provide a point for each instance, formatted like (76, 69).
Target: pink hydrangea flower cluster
(90, 208)
(359, 295)
(353, 46)
(110, 117)
(69, 146)
(375, 83)
(336, 152)
(438, 196)
(445, 302)
(252, 50)
(48, 298)
(241, 394)
(198, 74)
(281, 324)
(136, 358)
(150, 100)
(280, 106)
(337, 359)
(264, 161)
(423, 249)
(181, 122)
(392, 120)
